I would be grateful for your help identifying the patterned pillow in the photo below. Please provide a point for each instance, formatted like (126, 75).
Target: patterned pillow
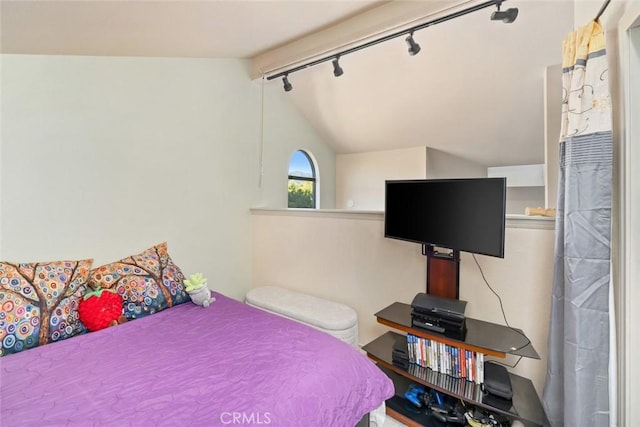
(148, 282)
(39, 302)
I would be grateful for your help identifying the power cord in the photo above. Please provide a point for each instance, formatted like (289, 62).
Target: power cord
(503, 314)
(506, 364)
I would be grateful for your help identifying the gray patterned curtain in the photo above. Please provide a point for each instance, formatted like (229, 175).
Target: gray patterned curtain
(576, 392)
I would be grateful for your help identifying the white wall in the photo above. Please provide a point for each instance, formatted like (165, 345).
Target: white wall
(344, 257)
(521, 198)
(444, 165)
(627, 33)
(284, 132)
(523, 280)
(105, 156)
(360, 177)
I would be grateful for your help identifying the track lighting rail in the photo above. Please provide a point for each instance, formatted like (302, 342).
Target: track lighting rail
(408, 31)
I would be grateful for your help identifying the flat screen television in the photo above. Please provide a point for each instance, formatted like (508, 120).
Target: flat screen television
(460, 214)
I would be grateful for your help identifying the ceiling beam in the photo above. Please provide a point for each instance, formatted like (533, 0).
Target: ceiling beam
(374, 23)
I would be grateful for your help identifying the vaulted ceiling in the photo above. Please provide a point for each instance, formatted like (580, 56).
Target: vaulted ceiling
(475, 90)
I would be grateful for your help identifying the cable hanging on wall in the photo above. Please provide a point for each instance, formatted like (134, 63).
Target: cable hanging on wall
(506, 16)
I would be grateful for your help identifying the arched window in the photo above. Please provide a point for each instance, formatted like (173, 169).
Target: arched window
(302, 181)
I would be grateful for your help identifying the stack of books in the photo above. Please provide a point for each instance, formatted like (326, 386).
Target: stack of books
(446, 359)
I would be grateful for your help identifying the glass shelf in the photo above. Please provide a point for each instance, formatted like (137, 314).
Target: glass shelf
(485, 337)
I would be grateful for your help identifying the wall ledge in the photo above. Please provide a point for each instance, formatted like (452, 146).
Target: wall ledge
(321, 213)
(513, 221)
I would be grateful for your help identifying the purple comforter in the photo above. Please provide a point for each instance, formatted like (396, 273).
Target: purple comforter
(229, 364)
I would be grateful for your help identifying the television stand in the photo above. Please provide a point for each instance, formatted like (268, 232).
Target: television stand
(488, 338)
(443, 272)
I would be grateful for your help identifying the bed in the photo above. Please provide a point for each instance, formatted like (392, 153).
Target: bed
(172, 363)
(228, 364)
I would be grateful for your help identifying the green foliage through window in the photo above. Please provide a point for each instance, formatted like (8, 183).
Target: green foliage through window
(300, 194)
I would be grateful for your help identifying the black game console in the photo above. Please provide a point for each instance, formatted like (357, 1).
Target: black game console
(441, 315)
(455, 330)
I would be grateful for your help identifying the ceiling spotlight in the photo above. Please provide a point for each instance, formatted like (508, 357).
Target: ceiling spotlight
(287, 85)
(414, 47)
(508, 16)
(337, 69)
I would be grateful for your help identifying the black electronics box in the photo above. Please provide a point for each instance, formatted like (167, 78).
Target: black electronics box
(497, 381)
(441, 315)
(400, 352)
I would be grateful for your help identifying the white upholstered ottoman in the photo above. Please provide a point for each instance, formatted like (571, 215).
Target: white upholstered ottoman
(334, 318)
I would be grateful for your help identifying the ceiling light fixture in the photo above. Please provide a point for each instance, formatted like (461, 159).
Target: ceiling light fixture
(287, 85)
(414, 47)
(337, 69)
(508, 16)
